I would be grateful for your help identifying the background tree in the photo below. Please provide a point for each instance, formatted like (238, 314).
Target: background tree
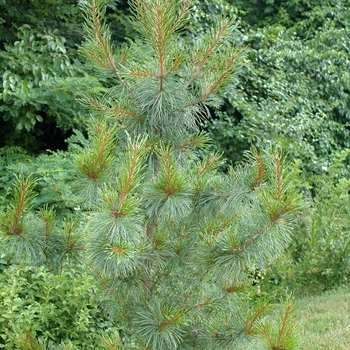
(42, 73)
(296, 91)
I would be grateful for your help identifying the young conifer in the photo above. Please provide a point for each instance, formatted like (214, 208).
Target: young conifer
(170, 237)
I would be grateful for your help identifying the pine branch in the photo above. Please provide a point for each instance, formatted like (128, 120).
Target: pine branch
(23, 196)
(111, 111)
(130, 177)
(282, 333)
(160, 326)
(181, 16)
(254, 238)
(160, 46)
(200, 60)
(73, 243)
(260, 171)
(160, 20)
(95, 163)
(176, 63)
(200, 140)
(250, 325)
(123, 111)
(225, 72)
(99, 38)
(202, 304)
(208, 165)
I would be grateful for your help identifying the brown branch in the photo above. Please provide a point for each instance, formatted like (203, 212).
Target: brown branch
(261, 172)
(252, 240)
(126, 187)
(176, 63)
(13, 227)
(105, 48)
(127, 112)
(181, 15)
(194, 142)
(96, 104)
(47, 226)
(97, 166)
(131, 173)
(210, 49)
(207, 166)
(249, 326)
(217, 84)
(170, 188)
(284, 321)
(20, 208)
(234, 289)
(101, 151)
(100, 61)
(121, 111)
(204, 303)
(160, 46)
(168, 322)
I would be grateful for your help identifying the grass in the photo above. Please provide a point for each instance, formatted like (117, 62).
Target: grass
(325, 321)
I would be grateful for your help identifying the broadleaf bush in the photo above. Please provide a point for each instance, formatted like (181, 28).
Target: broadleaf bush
(39, 308)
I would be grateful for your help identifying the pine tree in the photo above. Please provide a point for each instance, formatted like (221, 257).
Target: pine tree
(171, 238)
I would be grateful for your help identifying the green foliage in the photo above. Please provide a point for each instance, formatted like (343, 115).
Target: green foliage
(170, 239)
(96, 162)
(205, 13)
(36, 102)
(53, 14)
(296, 94)
(39, 309)
(180, 70)
(33, 59)
(318, 257)
(40, 84)
(263, 13)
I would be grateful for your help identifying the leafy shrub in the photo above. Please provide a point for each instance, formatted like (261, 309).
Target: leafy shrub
(61, 15)
(44, 308)
(33, 59)
(40, 88)
(321, 250)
